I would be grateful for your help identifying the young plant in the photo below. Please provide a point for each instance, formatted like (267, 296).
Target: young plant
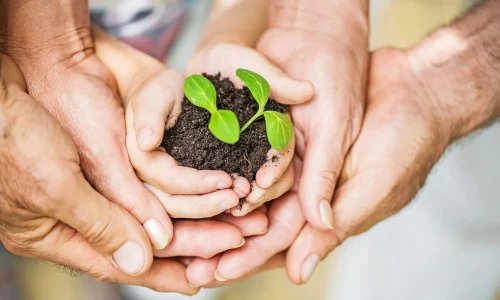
(279, 128)
(223, 124)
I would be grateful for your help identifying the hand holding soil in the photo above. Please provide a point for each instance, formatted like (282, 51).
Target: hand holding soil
(251, 161)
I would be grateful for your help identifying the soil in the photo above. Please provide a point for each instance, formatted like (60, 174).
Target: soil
(192, 144)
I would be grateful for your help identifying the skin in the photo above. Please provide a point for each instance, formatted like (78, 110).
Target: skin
(308, 45)
(78, 89)
(419, 102)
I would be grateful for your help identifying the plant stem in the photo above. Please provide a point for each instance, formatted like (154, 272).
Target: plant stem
(258, 114)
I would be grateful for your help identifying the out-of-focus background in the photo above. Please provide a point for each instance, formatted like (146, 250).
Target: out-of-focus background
(445, 245)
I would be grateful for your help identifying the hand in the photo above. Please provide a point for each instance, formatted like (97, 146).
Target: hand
(326, 126)
(272, 180)
(399, 128)
(152, 95)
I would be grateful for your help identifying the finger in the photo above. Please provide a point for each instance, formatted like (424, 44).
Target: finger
(259, 196)
(63, 246)
(276, 165)
(106, 226)
(107, 167)
(156, 105)
(202, 272)
(204, 238)
(162, 171)
(285, 223)
(254, 223)
(359, 204)
(196, 206)
(322, 163)
(241, 186)
(283, 88)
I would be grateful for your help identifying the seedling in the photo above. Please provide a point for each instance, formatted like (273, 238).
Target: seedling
(224, 123)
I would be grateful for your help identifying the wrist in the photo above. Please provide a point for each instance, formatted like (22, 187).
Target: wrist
(344, 20)
(238, 22)
(460, 67)
(39, 34)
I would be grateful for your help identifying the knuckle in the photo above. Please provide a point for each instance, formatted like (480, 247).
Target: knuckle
(98, 232)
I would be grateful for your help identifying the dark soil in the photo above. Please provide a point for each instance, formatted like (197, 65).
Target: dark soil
(192, 144)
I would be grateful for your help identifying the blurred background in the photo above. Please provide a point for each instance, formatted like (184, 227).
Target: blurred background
(445, 245)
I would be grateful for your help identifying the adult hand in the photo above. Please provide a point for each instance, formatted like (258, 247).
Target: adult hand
(273, 179)
(407, 127)
(399, 128)
(49, 211)
(325, 42)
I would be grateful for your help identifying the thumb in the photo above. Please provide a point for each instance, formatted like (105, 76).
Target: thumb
(108, 228)
(232, 57)
(322, 163)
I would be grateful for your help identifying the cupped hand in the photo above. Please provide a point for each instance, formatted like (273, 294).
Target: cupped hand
(152, 96)
(401, 140)
(273, 179)
(49, 211)
(326, 126)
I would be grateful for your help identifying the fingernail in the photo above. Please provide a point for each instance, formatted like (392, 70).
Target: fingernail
(222, 185)
(264, 232)
(157, 233)
(130, 257)
(192, 285)
(218, 277)
(143, 135)
(240, 245)
(326, 213)
(226, 204)
(308, 267)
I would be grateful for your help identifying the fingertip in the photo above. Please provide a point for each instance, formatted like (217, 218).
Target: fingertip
(290, 91)
(159, 235)
(241, 185)
(148, 139)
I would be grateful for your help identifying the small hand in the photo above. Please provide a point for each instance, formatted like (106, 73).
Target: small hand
(273, 179)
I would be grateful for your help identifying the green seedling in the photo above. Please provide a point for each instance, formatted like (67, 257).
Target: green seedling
(224, 123)
(279, 128)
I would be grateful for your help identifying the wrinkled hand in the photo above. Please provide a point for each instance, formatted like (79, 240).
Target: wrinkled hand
(49, 211)
(272, 180)
(400, 141)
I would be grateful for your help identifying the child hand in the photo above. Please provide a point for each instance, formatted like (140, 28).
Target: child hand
(152, 97)
(274, 178)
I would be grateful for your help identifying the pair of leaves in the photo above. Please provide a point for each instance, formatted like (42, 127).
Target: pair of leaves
(279, 128)
(224, 123)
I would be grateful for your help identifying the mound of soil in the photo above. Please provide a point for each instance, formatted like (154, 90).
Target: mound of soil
(192, 144)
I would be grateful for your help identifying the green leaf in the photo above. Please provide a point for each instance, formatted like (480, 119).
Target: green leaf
(201, 92)
(279, 129)
(224, 125)
(257, 85)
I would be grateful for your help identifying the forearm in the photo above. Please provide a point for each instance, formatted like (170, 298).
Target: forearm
(460, 65)
(236, 21)
(40, 32)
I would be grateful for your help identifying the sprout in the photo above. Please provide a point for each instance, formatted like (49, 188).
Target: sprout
(224, 123)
